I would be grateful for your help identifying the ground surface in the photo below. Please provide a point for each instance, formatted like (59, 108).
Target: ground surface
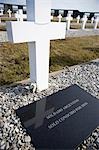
(13, 135)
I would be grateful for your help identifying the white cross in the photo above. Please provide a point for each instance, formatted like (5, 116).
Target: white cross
(20, 16)
(84, 20)
(9, 13)
(59, 18)
(1, 12)
(92, 20)
(78, 19)
(96, 21)
(51, 17)
(68, 20)
(40, 114)
(37, 31)
(17, 16)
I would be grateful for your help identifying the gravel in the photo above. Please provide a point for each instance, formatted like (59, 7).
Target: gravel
(13, 136)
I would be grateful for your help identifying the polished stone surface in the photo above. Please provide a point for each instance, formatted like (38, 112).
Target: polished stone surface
(62, 120)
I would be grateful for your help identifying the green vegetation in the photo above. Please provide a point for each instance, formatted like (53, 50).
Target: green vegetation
(14, 65)
(72, 51)
(78, 26)
(13, 62)
(4, 19)
(2, 28)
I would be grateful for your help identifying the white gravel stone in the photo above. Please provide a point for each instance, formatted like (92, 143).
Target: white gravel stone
(98, 140)
(27, 139)
(95, 134)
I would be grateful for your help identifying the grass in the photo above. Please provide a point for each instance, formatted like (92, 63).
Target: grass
(14, 61)
(75, 26)
(78, 26)
(4, 19)
(2, 28)
(73, 51)
(55, 19)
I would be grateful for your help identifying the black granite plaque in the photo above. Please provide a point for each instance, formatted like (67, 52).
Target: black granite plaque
(62, 120)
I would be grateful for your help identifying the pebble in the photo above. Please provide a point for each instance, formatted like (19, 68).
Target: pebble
(97, 143)
(98, 140)
(13, 135)
(3, 145)
(95, 134)
(27, 139)
(16, 130)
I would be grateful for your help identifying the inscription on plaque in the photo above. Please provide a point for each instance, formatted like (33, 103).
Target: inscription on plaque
(66, 116)
(62, 120)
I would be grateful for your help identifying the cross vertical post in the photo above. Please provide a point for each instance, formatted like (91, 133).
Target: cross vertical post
(39, 12)
(9, 13)
(59, 18)
(84, 21)
(96, 21)
(78, 19)
(68, 20)
(92, 20)
(1, 12)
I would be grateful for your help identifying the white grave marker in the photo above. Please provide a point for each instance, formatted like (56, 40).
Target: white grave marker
(96, 21)
(37, 31)
(1, 12)
(84, 20)
(78, 19)
(20, 16)
(17, 16)
(9, 13)
(51, 17)
(59, 18)
(68, 20)
(92, 20)
(70, 12)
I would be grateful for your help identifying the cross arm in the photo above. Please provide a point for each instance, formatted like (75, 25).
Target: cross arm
(19, 32)
(57, 30)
